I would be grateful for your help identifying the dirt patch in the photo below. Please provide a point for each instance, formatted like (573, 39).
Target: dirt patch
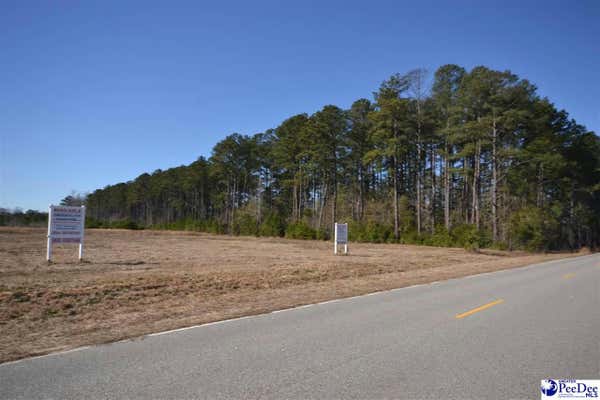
(137, 282)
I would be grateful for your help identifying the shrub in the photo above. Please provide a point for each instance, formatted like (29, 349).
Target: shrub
(485, 238)
(378, 233)
(193, 225)
(246, 225)
(499, 246)
(533, 229)
(467, 236)
(322, 234)
(214, 226)
(441, 238)
(410, 237)
(178, 225)
(356, 231)
(272, 226)
(93, 223)
(300, 230)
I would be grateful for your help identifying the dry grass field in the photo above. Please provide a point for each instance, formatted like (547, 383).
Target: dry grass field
(136, 282)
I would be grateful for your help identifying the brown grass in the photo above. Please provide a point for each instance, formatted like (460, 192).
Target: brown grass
(137, 282)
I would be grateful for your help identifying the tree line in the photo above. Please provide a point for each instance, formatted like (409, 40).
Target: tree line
(35, 218)
(474, 158)
(17, 217)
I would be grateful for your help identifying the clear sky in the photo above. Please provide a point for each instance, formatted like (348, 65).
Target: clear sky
(95, 93)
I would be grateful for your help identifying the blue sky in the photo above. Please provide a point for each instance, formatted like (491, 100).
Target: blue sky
(95, 93)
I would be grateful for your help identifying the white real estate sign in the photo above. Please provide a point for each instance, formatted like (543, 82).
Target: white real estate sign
(65, 225)
(340, 237)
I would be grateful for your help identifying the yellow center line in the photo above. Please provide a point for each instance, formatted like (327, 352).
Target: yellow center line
(568, 276)
(483, 307)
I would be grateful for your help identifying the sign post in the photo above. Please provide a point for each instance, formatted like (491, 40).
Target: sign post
(49, 246)
(65, 225)
(340, 237)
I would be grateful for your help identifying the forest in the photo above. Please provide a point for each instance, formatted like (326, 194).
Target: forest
(458, 158)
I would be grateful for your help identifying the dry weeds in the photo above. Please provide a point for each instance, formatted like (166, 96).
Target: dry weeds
(137, 282)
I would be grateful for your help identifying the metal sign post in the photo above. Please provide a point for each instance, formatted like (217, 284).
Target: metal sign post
(340, 237)
(49, 246)
(65, 225)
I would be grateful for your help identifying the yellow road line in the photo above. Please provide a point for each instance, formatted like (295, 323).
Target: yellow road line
(568, 276)
(483, 307)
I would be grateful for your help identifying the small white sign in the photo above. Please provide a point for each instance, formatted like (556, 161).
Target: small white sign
(65, 225)
(340, 237)
(341, 233)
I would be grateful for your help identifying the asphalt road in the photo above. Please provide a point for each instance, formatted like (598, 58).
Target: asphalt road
(488, 336)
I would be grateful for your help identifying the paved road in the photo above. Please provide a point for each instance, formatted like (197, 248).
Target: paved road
(420, 342)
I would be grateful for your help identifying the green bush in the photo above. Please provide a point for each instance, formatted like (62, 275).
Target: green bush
(499, 246)
(378, 233)
(441, 238)
(467, 236)
(214, 226)
(356, 231)
(178, 225)
(93, 223)
(193, 225)
(410, 236)
(245, 225)
(300, 230)
(485, 238)
(533, 229)
(322, 234)
(372, 232)
(272, 226)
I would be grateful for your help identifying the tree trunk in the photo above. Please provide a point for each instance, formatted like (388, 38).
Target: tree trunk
(361, 193)
(334, 188)
(418, 95)
(418, 167)
(419, 156)
(259, 201)
(447, 186)
(233, 202)
(300, 192)
(334, 204)
(432, 205)
(494, 184)
(476, 173)
(465, 192)
(323, 201)
(294, 197)
(395, 183)
(395, 179)
(540, 184)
